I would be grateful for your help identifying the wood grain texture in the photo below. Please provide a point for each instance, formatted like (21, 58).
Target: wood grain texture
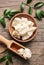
(36, 45)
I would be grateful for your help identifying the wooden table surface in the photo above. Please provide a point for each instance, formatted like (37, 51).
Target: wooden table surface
(36, 45)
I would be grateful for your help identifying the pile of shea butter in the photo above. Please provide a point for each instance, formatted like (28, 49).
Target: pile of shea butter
(26, 53)
(23, 28)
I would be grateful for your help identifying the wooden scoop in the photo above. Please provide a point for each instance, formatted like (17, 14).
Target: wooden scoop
(12, 45)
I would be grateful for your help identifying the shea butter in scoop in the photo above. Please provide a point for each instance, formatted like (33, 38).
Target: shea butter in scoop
(23, 28)
(26, 53)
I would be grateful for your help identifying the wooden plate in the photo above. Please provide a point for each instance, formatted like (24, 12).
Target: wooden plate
(29, 17)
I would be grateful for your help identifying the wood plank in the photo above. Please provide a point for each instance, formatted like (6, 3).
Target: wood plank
(37, 48)
(36, 45)
(37, 55)
(40, 23)
(4, 3)
(39, 36)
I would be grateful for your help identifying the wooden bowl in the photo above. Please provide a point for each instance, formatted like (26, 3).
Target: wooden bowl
(28, 17)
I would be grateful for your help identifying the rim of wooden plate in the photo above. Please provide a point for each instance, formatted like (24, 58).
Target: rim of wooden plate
(28, 17)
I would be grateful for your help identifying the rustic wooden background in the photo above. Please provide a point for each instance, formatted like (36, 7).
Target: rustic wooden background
(36, 45)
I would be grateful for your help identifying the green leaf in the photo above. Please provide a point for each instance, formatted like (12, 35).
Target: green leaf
(42, 13)
(7, 11)
(30, 10)
(29, 1)
(10, 13)
(38, 14)
(22, 7)
(9, 57)
(2, 21)
(2, 59)
(9, 17)
(7, 62)
(13, 12)
(39, 4)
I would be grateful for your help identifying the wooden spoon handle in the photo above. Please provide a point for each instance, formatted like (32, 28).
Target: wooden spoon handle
(4, 40)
